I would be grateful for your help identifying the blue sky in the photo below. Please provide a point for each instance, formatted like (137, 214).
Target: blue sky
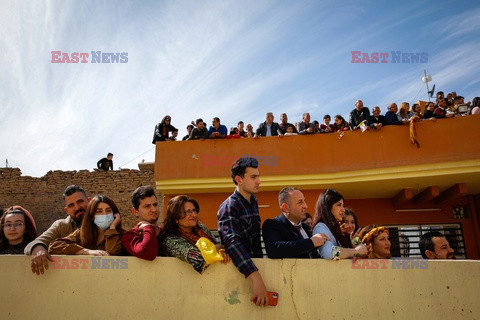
(198, 59)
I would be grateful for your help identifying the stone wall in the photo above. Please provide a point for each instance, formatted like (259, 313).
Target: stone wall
(43, 196)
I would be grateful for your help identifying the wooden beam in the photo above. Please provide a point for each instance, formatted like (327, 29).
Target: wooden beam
(402, 197)
(426, 195)
(459, 189)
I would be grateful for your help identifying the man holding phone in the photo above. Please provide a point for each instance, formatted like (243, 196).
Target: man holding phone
(239, 225)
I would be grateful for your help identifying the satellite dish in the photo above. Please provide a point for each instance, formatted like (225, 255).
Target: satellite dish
(432, 91)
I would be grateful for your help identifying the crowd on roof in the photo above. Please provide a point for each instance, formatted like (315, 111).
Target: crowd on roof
(361, 118)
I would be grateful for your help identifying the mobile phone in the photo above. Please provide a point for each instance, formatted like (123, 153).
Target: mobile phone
(272, 298)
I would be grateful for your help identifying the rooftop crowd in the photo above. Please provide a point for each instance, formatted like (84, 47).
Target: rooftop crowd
(93, 226)
(360, 118)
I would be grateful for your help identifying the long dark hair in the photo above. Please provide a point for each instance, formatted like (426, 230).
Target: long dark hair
(30, 227)
(350, 212)
(89, 230)
(175, 212)
(323, 213)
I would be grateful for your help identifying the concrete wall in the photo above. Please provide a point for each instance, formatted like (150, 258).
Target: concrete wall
(43, 196)
(168, 288)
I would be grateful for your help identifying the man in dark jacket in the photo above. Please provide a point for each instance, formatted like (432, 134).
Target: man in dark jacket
(268, 128)
(359, 114)
(376, 121)
(106, 163)
(286, 236)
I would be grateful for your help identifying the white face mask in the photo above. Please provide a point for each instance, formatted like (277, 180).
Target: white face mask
(104, 221)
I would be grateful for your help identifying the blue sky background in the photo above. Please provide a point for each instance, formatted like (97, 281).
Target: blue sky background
(233, 59)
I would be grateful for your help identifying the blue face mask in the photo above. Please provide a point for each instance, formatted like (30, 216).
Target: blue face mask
(104, 221)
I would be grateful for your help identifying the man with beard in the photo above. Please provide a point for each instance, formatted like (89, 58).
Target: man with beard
(76, 202)
(141, 241)
(434, 245)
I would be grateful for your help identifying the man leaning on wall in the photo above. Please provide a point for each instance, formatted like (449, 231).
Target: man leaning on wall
(76, 202)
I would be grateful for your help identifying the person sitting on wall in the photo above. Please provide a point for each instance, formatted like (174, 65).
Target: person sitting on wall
(163, 129)
(358, 115)
(174, 135)
(403, 111)
(268, 128)
(250, 132)
(286, 236)
(340, 124)
(234, 133)
(376, 120)
(200, 132)
(284, 124)
(76, 202)
(182, 231)
(189, 132)
(18, 229)
(142, 240)
(290, 131)
(440, 112)
(428, 114)
(99, 234)
(217, 130)
(415, 110)
(326, 126)
(241, 131)
(106, 163)
(434, 245)
(316, 126)
(329, 213)
(305, 127)
(392, 117)
(377, 243)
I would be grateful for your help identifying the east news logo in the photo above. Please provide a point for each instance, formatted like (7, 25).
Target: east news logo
(96, 57)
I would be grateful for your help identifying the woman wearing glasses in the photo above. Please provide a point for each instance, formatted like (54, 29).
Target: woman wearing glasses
(182, 231)
(18, 229)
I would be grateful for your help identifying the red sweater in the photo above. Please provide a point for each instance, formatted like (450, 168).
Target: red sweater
(143, 245)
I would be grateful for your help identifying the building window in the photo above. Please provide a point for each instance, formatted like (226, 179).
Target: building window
(405, 238)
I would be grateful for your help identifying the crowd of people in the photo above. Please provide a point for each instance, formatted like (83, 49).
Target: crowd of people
(93, 227)
(360, 119)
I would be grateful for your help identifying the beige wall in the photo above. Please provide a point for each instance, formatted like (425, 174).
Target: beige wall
(170, 289)
(43, 196)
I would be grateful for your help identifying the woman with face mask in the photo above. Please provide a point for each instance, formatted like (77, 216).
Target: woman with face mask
(99, 234)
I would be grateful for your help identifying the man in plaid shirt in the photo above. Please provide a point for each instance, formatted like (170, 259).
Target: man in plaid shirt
(239, 225)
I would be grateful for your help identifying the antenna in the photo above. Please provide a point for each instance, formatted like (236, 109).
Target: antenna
(426, 79)
(6, 163)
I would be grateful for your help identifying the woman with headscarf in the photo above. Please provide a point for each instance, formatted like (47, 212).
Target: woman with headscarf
(18, 229)
(163, 129)
(378, 243)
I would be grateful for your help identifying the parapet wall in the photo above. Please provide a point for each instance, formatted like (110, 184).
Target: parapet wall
(43, 196)
(82, 287)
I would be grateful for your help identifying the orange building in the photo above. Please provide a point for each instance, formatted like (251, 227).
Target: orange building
(384, 178)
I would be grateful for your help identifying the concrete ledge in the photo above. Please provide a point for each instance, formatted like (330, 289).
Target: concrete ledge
(168, 288)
